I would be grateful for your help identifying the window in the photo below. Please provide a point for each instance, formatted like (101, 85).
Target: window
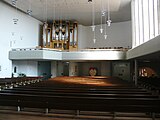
(137, 23)
(145, 20)
(151, 19)
(140, 10)
(156, 16)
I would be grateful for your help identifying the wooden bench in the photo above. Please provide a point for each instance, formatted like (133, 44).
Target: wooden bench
(81, 94)
(110, 98)
(11, 82)
(85, 103)
(152, 84)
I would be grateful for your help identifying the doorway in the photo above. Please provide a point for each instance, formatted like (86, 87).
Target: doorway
(44, 69)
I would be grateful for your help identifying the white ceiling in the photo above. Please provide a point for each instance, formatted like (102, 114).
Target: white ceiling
(79, 10)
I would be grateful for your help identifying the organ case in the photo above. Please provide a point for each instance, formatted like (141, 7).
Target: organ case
(62, 35)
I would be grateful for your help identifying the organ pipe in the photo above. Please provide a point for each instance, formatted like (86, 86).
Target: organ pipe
(60, 35)
(75, 35)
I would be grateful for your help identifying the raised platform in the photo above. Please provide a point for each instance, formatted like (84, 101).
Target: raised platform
(53, 54)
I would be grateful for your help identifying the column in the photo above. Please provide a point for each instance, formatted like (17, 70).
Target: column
(54, 69)
(135, 72)
(73, 69)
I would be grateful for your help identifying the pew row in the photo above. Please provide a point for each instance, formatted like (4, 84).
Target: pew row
(48, 95)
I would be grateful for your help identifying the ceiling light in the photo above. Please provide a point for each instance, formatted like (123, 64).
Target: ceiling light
(94, 40)
(14, 2)
(94, 36)
(93, 17)
(101, 29)
(29, 12)
(109, 19)
(93, 27)
(109, 22)
(93, 21)
(103, 13)
(105, 34)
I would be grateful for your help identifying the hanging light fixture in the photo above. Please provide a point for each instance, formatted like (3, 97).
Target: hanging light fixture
(93, 17)
(45, 18)
(45, 15)
(29, 11)
(94, 37)
(53, 25)
(105, 34)
(45, 25)
(93, 20)
(102, 14)
(101, 29)
(109, 19)
(46, 10)
(14, 3)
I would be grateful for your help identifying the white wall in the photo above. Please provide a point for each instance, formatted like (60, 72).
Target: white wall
(24, 34)
(119, 35)
(121, 69)
(83, 36)
(29, 68)
(106, 68)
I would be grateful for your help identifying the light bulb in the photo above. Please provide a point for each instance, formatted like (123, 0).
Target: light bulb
(103, 13)
(109, 22)
(29, 12)
(101, 30)
(94, 40)
(93, 28)
(105, 36)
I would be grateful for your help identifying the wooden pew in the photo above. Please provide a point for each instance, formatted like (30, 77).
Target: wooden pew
(11, 82)
(111, 104)
(81, 94)
(152, 84)
(110, 98)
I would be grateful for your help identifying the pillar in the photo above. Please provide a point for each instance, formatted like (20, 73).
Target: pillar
(73, 69)
(54, 69)
(135, 72)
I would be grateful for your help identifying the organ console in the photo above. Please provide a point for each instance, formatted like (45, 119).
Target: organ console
(62, 35)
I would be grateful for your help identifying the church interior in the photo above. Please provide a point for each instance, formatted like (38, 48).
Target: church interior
(80, 59)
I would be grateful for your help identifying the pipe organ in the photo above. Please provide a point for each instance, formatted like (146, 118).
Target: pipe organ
(62, 35)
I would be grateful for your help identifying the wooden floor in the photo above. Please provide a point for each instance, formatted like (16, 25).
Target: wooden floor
(88, 81)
